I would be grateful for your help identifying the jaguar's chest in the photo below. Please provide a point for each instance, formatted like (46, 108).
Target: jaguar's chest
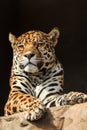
(39, 78)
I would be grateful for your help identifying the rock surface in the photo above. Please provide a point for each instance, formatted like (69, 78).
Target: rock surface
(56, 118)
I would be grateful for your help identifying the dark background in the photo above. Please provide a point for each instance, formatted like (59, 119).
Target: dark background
(70, 16)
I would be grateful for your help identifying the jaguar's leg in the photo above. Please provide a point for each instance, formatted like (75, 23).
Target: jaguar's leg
(71, 98)
(19, 102)
(66, 99)
(51, 93)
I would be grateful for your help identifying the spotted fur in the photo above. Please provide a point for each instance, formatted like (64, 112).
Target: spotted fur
(37, 77)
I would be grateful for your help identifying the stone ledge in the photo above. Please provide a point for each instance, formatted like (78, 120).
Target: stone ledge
(56, 118)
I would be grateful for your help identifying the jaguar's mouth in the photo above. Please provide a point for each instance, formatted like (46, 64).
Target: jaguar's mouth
(38, 65)
(30, 63)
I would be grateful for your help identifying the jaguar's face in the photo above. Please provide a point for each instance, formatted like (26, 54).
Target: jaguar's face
(35, 50)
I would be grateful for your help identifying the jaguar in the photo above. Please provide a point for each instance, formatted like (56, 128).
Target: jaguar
(37, 76)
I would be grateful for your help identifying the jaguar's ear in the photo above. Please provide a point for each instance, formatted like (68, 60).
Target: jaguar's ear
(54, 35)
(12, 39)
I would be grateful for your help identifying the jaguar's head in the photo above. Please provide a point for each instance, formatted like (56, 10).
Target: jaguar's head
(34, 50)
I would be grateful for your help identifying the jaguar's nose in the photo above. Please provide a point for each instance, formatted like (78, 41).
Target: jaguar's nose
(29, 56)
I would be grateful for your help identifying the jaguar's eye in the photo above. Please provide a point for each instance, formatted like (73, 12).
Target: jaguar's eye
(40, 44)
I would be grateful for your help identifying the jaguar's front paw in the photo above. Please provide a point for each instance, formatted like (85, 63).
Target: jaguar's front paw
(35, 114)
(71, 98)
(74, 98)
(35, 111)
(79, 97)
